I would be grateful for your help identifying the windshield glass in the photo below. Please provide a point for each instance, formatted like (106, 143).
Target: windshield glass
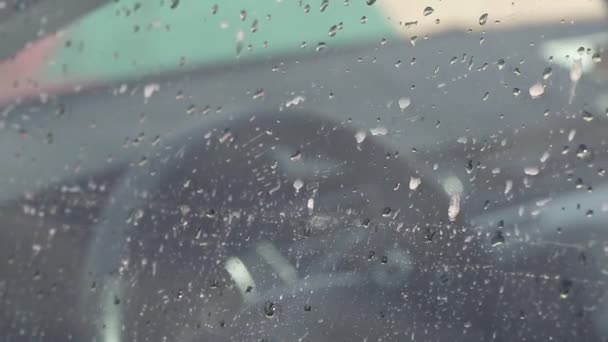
(283, 170)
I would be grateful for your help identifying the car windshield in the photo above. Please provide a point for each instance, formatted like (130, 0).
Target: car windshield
(303, 170)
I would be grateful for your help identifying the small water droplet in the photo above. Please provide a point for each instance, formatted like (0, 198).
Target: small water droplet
(307, 308)
(384, 259)
(321, 46)
(428, 11)
(596, 57)
(370, 2)
(363, 19)
(483, 19)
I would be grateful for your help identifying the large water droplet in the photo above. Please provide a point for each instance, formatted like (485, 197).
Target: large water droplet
(483, 19)
(587, 116)
(404, 102)
(428, 11)
(498, 239)
(333, 30)
(583, 152)
(537, 90)
(269, 309)
(565, 288)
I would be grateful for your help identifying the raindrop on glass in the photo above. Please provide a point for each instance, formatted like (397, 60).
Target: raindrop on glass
(483, 19)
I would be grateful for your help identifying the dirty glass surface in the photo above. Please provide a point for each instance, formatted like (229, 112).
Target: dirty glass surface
(313, 170)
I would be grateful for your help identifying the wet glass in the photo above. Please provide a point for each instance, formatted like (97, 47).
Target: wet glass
(331, 170)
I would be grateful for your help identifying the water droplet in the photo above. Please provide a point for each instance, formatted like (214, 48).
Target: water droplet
(531, 170)
(243, 15)
(298, 184)
(508, 186)
(565, 288)
(363, 19)
(537, 90)
(324, 5)
(404, 102)
(269, 309)
(454, 207)
(516, 71)
(379, 131)
(483, 19)
(307, 308)
(596, 57)
(260, 93)
(360, 136)
(370, 2)
(581, 51)
(414, 183)
(583, 152)
(498, 239)
(321, 46)
(386, 212)
(547, 73)
(384, 259)
(576, 70)
(500, 64)
(310, 204)
(587, 116)
(333, 30)
(469, 166)
(428, 11)
(297, 155)
(150, 89)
